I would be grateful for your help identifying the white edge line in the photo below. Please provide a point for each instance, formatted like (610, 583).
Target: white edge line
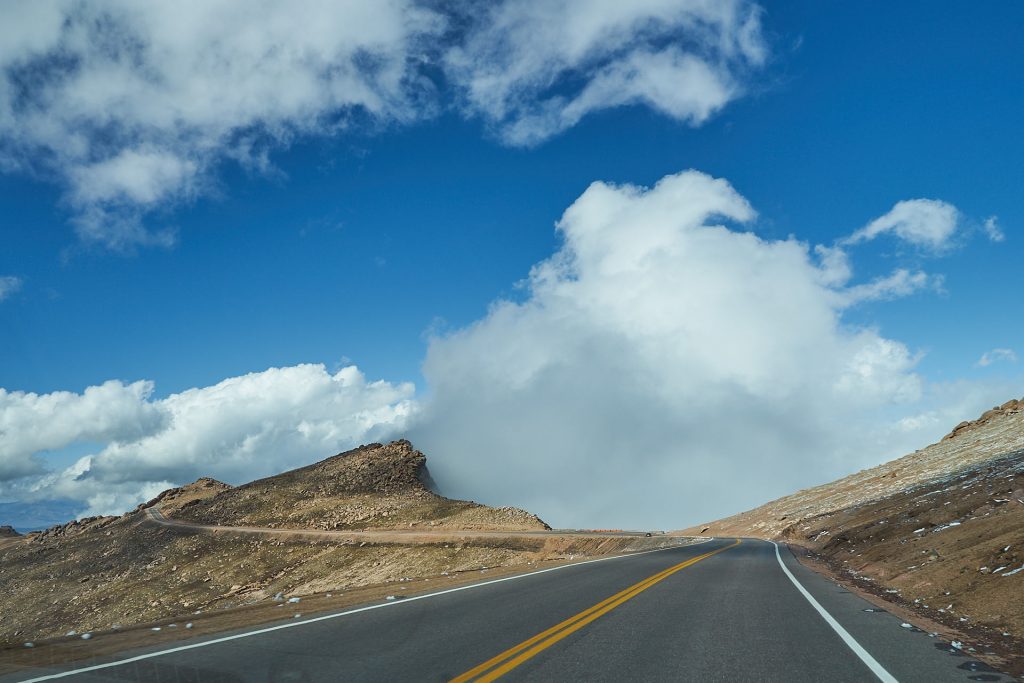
(858, 650)
(325, 617)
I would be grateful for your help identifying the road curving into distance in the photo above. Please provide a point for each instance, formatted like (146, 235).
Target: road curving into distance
(724, 610)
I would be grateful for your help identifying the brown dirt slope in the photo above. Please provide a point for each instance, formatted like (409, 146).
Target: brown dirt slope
(371, 487)
(940, 531)
(102, 573)
(998, 432)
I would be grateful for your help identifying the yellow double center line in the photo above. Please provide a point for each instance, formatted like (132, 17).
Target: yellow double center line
(509, 659)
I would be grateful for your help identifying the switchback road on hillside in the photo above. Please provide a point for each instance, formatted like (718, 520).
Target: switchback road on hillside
(724, 610)
(403, 536)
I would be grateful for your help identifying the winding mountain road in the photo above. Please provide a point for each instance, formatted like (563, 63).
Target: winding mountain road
(402, 536)
(724, 610)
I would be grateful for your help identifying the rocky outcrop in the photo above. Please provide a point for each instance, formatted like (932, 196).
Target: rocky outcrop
(8, 532)
(73, 528)
(1011, 407)
(375, 486)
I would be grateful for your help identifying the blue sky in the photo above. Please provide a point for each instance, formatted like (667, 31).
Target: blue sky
(356, 245)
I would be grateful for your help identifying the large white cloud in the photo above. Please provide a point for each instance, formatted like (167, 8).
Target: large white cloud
(664, 367)
(535, 67)
(132, 106)
(32, 423)
(237, 430)
(132, 103)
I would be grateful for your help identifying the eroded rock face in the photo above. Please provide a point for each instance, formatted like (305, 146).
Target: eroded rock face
(8, 532)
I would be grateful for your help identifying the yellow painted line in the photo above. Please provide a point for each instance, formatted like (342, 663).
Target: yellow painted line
(514, 656)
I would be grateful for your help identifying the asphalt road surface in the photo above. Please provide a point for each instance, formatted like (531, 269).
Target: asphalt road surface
(718, 611)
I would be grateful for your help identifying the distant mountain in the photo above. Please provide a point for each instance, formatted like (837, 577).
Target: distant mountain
(27, 517)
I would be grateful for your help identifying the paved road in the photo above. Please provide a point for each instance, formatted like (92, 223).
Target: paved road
(718, 611)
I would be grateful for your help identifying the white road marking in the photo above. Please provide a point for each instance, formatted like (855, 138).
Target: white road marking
(293, 624)
(858, 650)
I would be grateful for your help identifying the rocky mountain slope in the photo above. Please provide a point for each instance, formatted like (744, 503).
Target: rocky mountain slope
(103, 573)
(939, 531)
(371, 487)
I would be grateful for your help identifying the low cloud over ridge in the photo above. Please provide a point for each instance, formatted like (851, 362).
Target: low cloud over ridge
(237, 430)
(664, 367)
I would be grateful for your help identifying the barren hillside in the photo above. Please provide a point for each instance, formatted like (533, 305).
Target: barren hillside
(940, 531)
(108, 573)
(371, 487)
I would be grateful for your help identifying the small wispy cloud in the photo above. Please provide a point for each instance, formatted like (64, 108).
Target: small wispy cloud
(9, 284)
(927, 223)
(992, 229)
(899, 284)
(996, 355)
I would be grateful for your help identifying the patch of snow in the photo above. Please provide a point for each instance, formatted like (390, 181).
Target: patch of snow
(905, 625)
(294, 600)
(30, 644)
(86, 636)
(1020, 568)
(188, 625)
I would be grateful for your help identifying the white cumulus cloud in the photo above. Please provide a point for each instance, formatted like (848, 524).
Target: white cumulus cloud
(237, 430)
(33, 423)
(533, 68)
(664, 367)
(132, 106)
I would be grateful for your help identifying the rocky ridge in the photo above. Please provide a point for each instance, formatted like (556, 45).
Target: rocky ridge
(103, 573)
(377, 486)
